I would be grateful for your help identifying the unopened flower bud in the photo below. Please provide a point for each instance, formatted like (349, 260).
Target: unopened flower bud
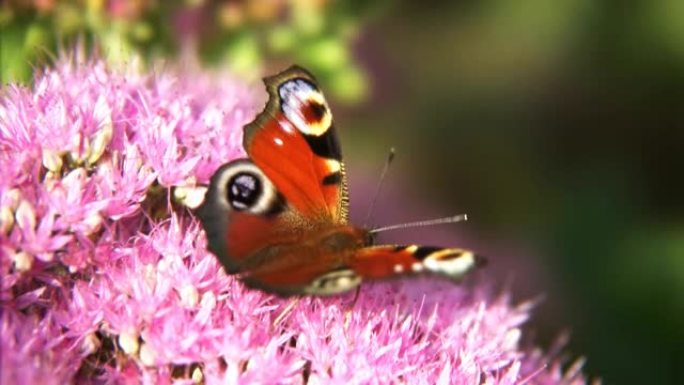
(128, 341)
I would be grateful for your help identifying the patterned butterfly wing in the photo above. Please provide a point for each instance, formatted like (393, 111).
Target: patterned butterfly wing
(292, 185)
(305, 269)
(243, 213)
(386, 261)
(295, 144)
(321, 272)
(279, 218)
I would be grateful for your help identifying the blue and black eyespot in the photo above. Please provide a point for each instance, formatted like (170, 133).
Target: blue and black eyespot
(243, 191)
(241, 186)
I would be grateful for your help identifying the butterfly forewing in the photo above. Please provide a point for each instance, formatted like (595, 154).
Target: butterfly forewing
(294, 142)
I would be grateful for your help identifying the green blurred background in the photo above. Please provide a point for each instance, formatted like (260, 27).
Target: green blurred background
(556, 125)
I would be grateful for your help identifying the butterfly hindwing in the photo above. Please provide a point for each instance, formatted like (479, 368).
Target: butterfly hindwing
(303, 276)
(320, 272)
(242, 213)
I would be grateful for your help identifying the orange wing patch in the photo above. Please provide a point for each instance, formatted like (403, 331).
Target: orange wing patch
(295, 144)
(299, 175)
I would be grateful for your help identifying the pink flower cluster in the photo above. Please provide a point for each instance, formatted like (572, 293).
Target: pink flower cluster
(106, 277)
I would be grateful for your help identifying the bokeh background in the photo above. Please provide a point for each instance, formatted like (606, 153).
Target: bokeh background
(558, 126)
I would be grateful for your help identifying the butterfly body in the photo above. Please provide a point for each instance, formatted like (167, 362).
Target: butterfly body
(279, 217)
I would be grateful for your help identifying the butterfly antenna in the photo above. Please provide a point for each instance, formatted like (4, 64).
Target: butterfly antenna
(429, 222)
(390, 158)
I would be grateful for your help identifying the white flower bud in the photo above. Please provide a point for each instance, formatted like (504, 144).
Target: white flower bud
(25, 216)
(100, 142)
(52, 161)
(511, 339)
(92, 223)
(197, 375)
(23, 261)
(191, 197)
(208, 300)
(148, 356)
(189, 296)
(128, 341)
(6, 219)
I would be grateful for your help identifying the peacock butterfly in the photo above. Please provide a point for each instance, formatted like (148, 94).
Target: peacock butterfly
(279, 217)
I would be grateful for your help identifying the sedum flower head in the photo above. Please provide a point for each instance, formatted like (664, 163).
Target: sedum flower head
(106, 277)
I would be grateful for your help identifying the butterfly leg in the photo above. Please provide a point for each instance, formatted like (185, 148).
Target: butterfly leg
(288, 309)
(356, 297)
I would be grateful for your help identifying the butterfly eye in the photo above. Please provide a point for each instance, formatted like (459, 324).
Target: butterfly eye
(244, 190)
